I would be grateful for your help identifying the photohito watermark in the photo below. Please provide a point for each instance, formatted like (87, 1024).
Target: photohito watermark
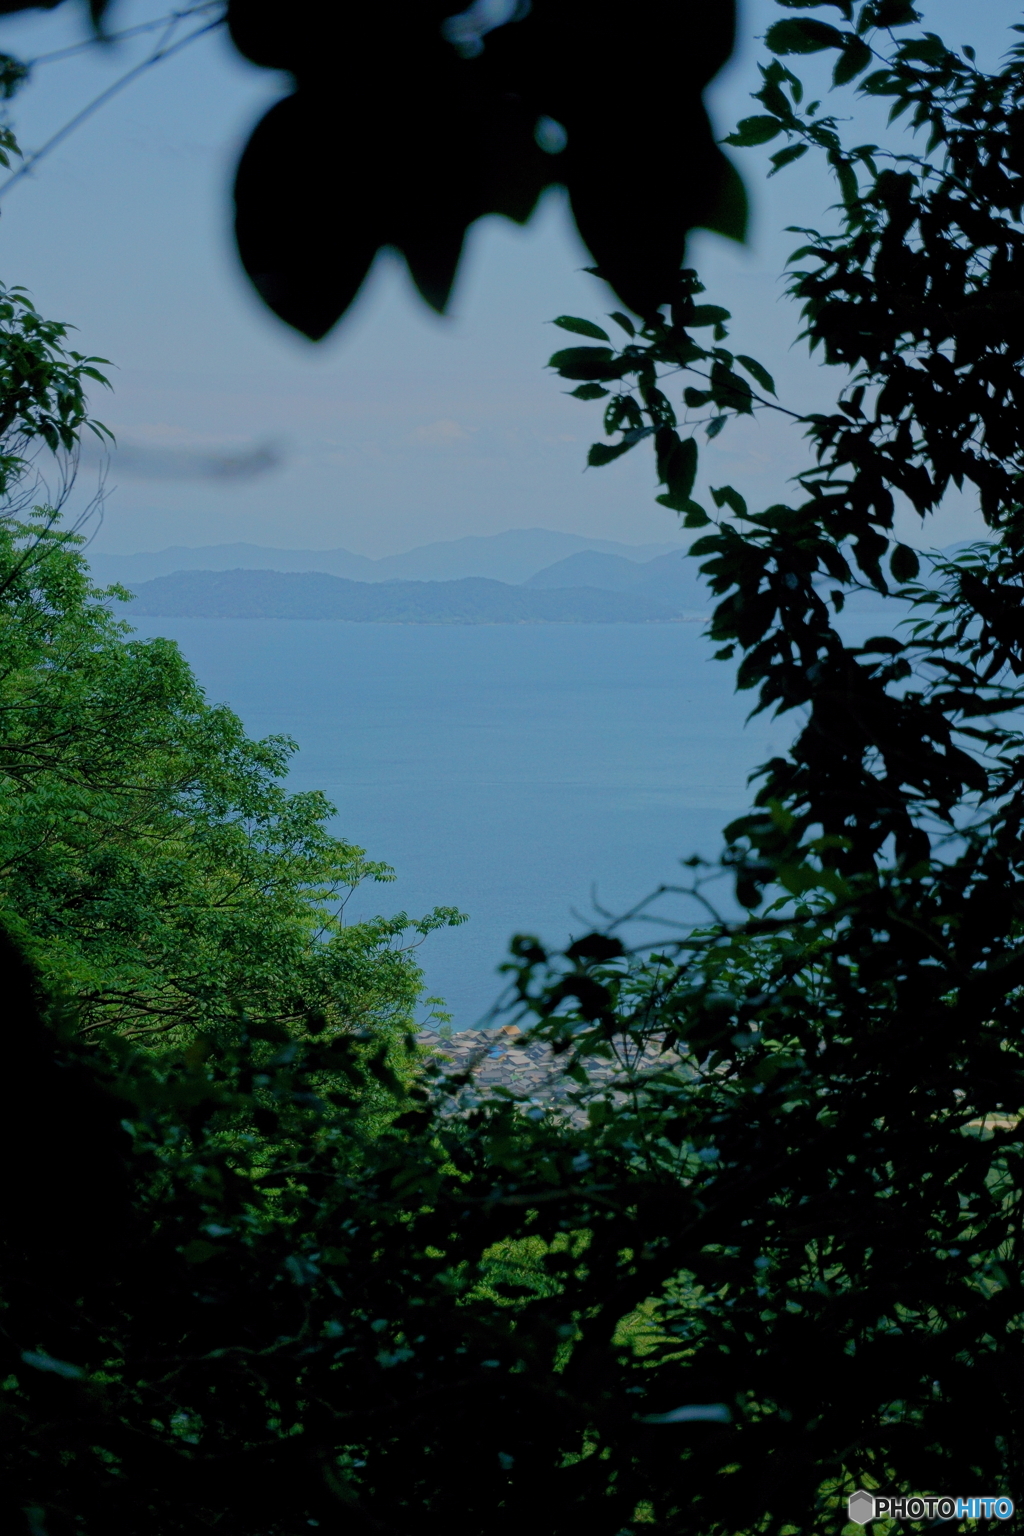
(864, 1506)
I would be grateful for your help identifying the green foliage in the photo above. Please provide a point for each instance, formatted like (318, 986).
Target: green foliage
(849, 1151)
(42, 383)
(151, 859)
(310, 1324)
(787, 1260)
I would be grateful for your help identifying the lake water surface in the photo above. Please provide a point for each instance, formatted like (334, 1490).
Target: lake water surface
(509, 770)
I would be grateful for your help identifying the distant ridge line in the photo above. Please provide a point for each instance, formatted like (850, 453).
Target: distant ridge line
(245, 594)
(513, 556)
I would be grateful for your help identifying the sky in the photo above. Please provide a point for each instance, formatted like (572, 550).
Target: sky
(402, 427)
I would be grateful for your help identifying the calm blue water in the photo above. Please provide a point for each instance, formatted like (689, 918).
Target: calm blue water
(509, 770)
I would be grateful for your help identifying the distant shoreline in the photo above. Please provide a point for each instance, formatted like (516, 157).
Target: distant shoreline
(271, 618)
(268, 594)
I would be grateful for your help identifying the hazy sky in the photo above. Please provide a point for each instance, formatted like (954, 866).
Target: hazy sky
(401, 428)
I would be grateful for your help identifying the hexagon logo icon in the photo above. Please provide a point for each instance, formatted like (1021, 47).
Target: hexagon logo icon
(861, 1507)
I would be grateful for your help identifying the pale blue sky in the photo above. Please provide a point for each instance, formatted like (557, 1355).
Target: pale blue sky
(401, 428)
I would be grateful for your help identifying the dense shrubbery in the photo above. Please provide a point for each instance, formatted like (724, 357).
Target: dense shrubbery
(787, 1264)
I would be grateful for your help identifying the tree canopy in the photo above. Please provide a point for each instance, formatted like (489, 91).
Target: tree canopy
(850, 1227)
(150, 855)
(717, 1298)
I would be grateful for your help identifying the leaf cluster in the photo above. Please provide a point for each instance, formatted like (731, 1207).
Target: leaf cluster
(152, 860)
(844, 1189)
(779, 1256)
(43, 389)
(459, 115)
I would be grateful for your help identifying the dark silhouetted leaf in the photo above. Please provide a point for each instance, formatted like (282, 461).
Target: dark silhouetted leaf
(754, 130)
(757, 372)
(786, 156)
(803, 35)
(903, 563)
(582, 327)
(604, 453)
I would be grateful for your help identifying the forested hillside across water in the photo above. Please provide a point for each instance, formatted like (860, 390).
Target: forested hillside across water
(517, 554)
(316, 595)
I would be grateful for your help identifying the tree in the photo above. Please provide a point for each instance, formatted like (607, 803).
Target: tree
(842, 1262)
(403, 137)
(151, 859)
(786, 1264)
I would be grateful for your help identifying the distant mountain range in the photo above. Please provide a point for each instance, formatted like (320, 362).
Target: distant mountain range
(589, 581)
(244, 594)
(669, 578)
(596, 581)
(515, 556)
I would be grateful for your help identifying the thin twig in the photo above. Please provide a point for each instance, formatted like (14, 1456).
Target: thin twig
(156, 57)
(100, 40)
